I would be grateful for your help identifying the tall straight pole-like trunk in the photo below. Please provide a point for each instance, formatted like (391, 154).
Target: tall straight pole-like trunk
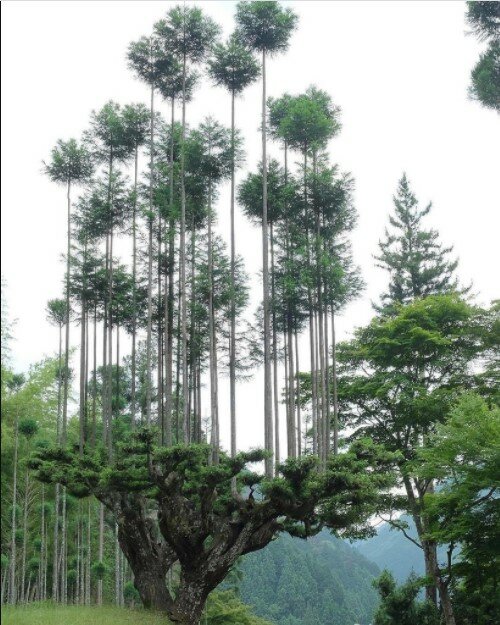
(81, 441)
(110, 348)
(22, 596)
(169, 294)
(275, 359)
(268, 417)
(117, 567)
(192, 334)
(88, 559)
(66, 352)
(182, 261)
(100, 552)
(94, 382)
(297, 394)
(150, 268)
(232, 334)
(43, 542)
(133, 372)
(64, 540)
(13, 546)
(211, 330)
(335, 387)
(159, 342)
(55, 552)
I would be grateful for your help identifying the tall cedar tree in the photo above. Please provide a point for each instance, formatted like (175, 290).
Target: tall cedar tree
(233, 67)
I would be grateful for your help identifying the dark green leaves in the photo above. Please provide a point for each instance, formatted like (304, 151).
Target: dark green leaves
(70, 162)
(233, 65)
(265, 25)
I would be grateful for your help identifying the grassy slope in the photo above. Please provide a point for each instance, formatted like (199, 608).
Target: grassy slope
(77, 615)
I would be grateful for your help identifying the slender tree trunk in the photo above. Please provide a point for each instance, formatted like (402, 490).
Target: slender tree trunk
(43, 541)
(104, 393)
(25, 536)
(159, 359)
(275, 360)
(117, 567)
(182, 260)
(100, 552)
(297, 395)
(66, 353)
(88, 555)
(133, 372)
(13, 546)
(268, 420)
(82, 378)
(150, 269)
(169, 296)
(211, 330)
(64, 563)
(335, 388)
(78, 557)
(110, 349)
(232, 337)
(94, 383)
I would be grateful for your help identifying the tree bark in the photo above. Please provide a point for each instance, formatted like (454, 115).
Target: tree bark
(268, 417)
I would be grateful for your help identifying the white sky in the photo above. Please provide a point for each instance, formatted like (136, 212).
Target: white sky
(399, 71)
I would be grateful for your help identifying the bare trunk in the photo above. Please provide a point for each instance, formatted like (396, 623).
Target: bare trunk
(232, 337)
(66, 352)
(182, 261)
(13, 546)
(268, 420)
(150, 268)
(169, 296)
(134, 294)
(100, 552)
(335, 388)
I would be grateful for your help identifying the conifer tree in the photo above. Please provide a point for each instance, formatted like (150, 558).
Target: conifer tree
(188, 36)
(266, 28)
(234, 68)
(70, 164)
(417, 263)
(484, 20)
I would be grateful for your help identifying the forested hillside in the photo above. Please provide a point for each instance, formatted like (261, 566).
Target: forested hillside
(321, 581)
(390, 550)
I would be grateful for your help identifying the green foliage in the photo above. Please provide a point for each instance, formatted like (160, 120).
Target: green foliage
(485, 78)
(130, 594)
(464, 459)
(224, 608)
(70, 162)
(57, 312)
(98, 570)
(28, 428)
(265, 25)
(306, 582)
(186, 32)
(417, 263)
(484, 19)
(49, 614)
(399, 604)
(308, 121)
(233, 66)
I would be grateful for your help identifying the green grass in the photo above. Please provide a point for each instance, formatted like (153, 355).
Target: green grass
(46, 614)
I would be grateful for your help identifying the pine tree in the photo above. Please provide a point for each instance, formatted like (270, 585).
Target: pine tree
(417, 263)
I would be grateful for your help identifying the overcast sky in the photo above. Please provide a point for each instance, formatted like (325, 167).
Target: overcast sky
(398, 70)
